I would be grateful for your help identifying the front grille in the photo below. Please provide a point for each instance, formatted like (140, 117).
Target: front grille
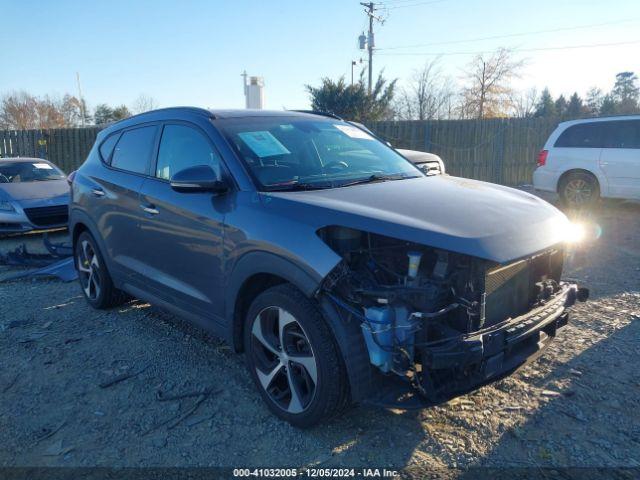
(47, 216)
(511, 289)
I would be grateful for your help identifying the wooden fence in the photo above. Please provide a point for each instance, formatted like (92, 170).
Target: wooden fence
(497, 150)
(66, 147)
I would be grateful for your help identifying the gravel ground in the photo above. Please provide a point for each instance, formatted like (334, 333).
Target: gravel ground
(577, 406)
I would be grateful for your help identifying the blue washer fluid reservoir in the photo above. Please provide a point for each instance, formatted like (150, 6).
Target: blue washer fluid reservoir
(379, 326)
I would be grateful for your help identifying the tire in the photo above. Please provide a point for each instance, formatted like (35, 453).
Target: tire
(579, 190)
(304, 383)
(93, 275)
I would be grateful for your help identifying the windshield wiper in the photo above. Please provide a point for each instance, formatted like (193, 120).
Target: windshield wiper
(377, 177)
(297, 186)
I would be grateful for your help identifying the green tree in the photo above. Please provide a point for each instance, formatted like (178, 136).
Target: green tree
(609, 106)
(575, 108)
(626, 92)
(594, 101)
(353, 102)
(545, 106)
(561, 106)
(105, 114)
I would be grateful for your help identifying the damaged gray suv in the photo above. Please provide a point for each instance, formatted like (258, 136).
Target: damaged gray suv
(343, 272)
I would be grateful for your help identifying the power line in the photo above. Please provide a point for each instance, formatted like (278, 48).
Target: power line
(511, 35)
(393, 6)
(568, 47)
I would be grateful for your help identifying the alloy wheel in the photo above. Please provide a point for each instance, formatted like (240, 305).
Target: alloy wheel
(578, 192)
(88, 270)
(284, 360)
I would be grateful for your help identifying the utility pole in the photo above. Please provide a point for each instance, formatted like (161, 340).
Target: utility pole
(83, 113)
(369, 9)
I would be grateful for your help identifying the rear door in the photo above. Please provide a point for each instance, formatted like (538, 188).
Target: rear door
(116, 206)
(183, 232)
(620, 158)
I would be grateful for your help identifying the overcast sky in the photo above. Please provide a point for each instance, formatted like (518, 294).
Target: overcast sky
(192, 52)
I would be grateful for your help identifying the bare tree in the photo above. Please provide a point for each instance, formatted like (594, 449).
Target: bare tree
(143, 103)
(524, 103)
(18, 111)
(22, 111)
(488, 91)
(426, 96)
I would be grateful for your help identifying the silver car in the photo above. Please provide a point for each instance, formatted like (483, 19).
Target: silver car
(34, 195)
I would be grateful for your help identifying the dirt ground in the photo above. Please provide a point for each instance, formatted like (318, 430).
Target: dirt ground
(578, 406)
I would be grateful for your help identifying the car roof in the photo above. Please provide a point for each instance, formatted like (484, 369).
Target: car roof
(599, 119)
(177, 113)
(23, 159)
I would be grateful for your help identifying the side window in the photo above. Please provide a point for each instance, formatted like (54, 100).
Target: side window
(183, 147)
(107, 146)
(133, 150)
(583, 135)
(623, 134)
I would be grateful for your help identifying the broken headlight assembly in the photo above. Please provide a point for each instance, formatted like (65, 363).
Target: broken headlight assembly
(442, 321)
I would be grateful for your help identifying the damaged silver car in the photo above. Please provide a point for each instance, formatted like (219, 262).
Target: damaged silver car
(342, 271)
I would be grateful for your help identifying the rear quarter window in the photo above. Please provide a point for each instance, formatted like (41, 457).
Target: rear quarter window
(583, 135)
(106, 147)
(133, 151)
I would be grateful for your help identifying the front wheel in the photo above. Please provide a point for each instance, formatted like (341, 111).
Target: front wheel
(293, 357)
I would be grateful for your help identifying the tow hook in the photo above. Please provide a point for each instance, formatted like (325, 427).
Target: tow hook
(575, 293)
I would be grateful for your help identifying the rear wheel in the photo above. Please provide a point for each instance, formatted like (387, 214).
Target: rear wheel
(579, 189)
(293, 357)
(94, 277)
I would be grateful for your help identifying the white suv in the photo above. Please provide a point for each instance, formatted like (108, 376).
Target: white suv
(591, 158)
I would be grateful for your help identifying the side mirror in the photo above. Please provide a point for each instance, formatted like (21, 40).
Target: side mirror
(201, 178)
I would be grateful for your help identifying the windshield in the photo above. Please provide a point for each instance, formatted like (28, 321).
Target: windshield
(283, 153)
(21, 172)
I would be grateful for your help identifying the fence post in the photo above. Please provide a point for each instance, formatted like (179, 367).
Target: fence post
(427, 136)
(499, 161)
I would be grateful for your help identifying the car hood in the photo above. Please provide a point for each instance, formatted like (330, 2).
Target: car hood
(49, 189)
(466, 216)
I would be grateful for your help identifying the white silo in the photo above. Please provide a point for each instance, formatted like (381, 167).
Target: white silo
(253, 91)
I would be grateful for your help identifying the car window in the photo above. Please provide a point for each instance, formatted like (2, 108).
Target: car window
(583, 135)
(183, 147)
(282, 151)
(23, 172)
(133, 150)
(107, 147)
(622, 134)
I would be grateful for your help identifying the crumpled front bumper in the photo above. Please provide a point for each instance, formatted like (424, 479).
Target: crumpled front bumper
(464, 364)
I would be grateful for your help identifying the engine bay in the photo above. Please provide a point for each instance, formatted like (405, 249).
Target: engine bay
(413, 299)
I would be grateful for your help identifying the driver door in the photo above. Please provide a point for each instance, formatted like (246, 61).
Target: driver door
(182, 233)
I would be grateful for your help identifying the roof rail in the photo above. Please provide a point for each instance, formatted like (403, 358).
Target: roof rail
(318, 112)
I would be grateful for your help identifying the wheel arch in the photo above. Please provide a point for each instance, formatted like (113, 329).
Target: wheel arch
(81, 222)
(254, 273)
(600, 181)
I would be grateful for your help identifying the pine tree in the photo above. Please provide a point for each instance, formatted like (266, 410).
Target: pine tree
(626, 92)
(575, 108)
(561, 106)
(545, 106)
(594, 101)
(609, 105)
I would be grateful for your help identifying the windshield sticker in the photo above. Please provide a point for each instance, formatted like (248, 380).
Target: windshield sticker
(353, 132)
(263, 143)
(43, 166)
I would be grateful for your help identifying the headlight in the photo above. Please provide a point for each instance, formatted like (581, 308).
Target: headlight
(574, 232)
(6, 206)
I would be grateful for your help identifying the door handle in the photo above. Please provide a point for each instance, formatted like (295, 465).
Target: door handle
(150, 209)
(98, 192)
(604, 163)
